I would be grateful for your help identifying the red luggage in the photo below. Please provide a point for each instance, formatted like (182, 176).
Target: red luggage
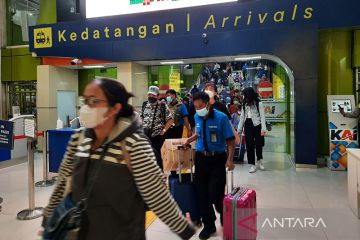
(239, 214)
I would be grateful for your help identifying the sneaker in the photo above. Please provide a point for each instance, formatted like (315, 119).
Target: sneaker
(261, 165)
(207, 232)
(253, 169)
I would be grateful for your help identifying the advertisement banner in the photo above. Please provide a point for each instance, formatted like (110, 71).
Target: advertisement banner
(174, 81)
(6, 135)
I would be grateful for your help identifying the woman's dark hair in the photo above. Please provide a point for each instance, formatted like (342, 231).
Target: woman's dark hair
(201, 96)
(115, 92)
(250, 97)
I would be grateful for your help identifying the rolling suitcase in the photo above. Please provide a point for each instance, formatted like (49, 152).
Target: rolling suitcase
(183, 191)
(239, 213)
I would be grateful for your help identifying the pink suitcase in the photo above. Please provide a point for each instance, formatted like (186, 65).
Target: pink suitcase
(239, 214)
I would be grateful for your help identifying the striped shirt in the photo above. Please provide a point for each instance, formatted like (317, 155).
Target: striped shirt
(147, 175)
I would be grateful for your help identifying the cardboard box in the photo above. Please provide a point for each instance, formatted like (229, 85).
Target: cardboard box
(171, 155)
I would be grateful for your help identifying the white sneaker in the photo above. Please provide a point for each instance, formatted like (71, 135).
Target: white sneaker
(253, 169)
(260, 165)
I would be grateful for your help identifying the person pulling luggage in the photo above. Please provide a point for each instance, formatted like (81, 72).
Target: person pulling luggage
(213, 134)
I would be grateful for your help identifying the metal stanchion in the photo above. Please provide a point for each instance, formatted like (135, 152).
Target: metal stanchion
(1, 200)
(45, 182)
(32, 212)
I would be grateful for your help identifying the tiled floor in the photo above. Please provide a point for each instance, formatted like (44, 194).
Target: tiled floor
(284, 196)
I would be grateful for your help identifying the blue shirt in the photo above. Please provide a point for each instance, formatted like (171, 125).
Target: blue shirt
(183, 113)
(218, 130)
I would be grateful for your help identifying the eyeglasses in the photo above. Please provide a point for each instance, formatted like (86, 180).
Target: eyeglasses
(91, 101)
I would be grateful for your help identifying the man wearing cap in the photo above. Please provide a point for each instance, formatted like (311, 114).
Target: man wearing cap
(157, 119)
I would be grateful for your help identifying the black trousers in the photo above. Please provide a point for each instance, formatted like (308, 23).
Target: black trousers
(254, 140)
(156, 143)
(210, 183)
(174, 132)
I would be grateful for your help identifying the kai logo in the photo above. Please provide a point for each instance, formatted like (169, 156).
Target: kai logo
(343, 135)
(43, 37)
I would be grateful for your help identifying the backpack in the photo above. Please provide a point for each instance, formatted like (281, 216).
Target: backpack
(175, 112)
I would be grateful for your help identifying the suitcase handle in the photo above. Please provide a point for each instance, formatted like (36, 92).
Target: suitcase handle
(231, 181)
(184, 147)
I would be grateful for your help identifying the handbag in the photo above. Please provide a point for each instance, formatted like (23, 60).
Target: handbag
(65, 222)
(268, 126)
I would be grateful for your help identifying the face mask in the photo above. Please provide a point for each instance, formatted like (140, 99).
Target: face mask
(169, 99)
(210, 93)
(202, 112)
(92, 117)
(236, 102)
(152, 99)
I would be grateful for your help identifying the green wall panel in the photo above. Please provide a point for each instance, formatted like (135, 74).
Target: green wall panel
(18, 65)
(335, 76)
(5, 68)
(24, 68)
(20, 51)
(5, 52)
(86, 76)
(47, 12)
(356, 49)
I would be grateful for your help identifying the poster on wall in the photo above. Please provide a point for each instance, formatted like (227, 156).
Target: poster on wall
(275, 109)
(340, 140)
(6, 135)
(174, 81)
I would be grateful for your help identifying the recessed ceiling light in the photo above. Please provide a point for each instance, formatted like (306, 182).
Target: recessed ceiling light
(247, 58)
(171, 63)
(93, 66)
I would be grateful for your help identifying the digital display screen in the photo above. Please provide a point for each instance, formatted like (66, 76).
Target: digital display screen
(96, 8)
(345, 104)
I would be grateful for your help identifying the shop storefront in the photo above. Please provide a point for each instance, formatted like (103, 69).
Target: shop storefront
(283, 33)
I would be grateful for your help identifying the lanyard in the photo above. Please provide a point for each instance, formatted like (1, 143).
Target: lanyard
(204, 130)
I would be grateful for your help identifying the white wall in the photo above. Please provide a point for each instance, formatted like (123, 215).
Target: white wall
(135, 79)
(49, 80)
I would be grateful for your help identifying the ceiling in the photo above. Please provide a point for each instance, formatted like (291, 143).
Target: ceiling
(204, 60)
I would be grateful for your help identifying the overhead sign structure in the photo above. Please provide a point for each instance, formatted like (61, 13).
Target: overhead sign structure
(6, 134)
(96, 8)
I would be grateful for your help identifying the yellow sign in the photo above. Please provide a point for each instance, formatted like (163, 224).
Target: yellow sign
(43, 37)
(174, 81)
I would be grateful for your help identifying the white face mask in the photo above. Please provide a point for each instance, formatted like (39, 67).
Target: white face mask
(236, 102)
(210, 93)
(202, 112)
(92, 117)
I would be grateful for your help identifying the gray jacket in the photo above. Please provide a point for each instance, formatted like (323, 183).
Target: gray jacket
(258, 117)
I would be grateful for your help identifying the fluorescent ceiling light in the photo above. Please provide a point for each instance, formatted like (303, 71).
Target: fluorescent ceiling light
(247, 58)
(171, 63)
(94, 66)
